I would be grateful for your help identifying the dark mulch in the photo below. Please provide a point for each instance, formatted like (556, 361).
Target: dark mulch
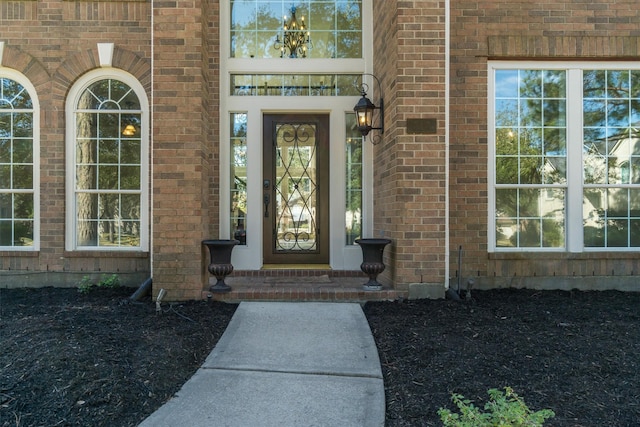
(71, 359)
(577, 353)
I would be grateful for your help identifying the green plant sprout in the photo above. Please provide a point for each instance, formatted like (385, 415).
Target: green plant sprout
(86, 285)
(502, 410)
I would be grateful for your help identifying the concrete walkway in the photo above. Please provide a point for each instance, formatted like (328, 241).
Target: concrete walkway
(285, 364)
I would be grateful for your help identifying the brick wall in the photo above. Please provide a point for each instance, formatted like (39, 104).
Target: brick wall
(184, 161)
(507, 29)
(410, 169)
(53, 43)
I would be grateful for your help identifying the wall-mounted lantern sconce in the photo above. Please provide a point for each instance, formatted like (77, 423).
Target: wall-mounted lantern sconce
(364, 110)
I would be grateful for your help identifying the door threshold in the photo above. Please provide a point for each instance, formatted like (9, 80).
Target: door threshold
(296, 267)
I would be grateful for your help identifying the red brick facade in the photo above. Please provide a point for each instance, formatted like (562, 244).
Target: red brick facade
(521, 30)
(410, 170)
(53, 43)
(430, 188)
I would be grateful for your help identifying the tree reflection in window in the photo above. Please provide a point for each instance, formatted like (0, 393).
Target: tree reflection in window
(335, 27)
(611, 158)
(530, 124)
(17, 198)
(108, 163)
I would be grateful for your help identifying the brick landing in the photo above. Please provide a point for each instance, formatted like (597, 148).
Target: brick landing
(300, 285)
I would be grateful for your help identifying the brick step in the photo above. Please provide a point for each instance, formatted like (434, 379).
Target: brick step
(295, 285)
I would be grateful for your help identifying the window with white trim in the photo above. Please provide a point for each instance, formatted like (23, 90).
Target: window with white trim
(564, 156)
(19, 163)
(328, 28)
(108, 164)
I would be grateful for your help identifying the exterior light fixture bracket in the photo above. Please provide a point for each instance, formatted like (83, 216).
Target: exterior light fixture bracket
(364, 111)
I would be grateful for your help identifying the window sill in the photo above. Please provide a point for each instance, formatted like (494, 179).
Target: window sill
(562, 255)
(105, 254)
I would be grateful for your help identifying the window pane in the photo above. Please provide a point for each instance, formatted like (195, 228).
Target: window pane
(13, 95)
(506, 112)
(130, 177)
(531, 170)
(23, 205)
(506, 83)
(108, 151)
(16, 165)
(130, 152)
(554, 84)
(507, 170)
(6, 205)
(610, 217)
(23, 177)
(334, 28)
(108, 162)
(22, 150)
(6, 233)
(130, 208)
(5, 176)
(22, 125)
(238, 178)
(610, 150)
(530, 218)
(294, 85)
(353, 194)
(5, 150)
(23, 233)
(592, 82)
(531, 149)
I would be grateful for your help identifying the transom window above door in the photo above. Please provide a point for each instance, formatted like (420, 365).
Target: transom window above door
(328, 29)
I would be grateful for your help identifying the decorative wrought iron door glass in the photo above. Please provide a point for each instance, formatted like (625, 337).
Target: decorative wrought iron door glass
(295, 187)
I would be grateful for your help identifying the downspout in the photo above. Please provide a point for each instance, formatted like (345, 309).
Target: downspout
(447, 66)
(151, 151)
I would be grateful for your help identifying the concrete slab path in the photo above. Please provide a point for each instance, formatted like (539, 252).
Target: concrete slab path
(285, 364)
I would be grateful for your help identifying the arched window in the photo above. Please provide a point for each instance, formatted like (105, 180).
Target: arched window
(19, 163)
(107, 146)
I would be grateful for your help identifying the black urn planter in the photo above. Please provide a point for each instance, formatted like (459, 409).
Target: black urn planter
(220, 265)
(372, 265)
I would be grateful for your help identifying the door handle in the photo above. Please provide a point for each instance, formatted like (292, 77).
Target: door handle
(266, 199)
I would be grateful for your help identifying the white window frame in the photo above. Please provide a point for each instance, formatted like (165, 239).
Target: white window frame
(12, 74)
(71, 103)
(574, 237)
(249, 256)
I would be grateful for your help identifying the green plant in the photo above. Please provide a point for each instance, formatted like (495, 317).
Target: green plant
(502, 410)
(112, 281)
(86, 285)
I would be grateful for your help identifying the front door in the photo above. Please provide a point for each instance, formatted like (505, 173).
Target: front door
(296, 189)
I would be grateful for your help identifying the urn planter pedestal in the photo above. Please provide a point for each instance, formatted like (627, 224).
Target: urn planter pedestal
(372, 265)
(220, 265)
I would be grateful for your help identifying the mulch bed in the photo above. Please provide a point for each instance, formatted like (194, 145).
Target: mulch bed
(98, 359)
(577, 353)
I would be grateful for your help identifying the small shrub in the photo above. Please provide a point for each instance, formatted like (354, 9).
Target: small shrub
(86, 285)
(112, 281)
(502, 410)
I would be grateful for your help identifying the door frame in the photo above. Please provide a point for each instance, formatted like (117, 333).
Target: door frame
(322, 155)
(249, 257)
